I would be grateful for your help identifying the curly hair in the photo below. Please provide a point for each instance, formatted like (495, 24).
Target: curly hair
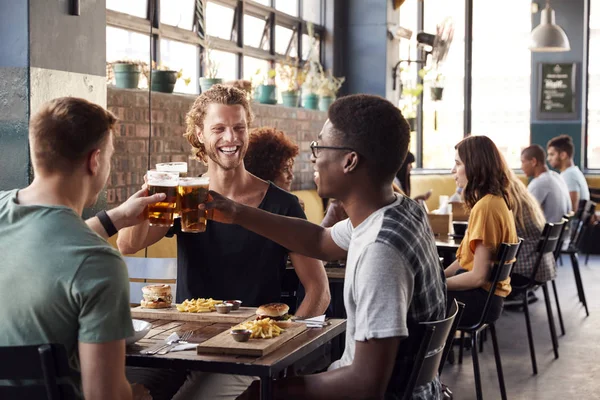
(269, 151)
(375, 129)
(486, 170)
(218, 94)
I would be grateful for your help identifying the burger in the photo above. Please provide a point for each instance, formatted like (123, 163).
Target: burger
(156, 296)
(278, 312)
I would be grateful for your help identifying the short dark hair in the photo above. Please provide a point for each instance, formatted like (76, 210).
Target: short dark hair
(65, 130)
(534, 152)
(269, 151)
(374, 128)
(563, 143)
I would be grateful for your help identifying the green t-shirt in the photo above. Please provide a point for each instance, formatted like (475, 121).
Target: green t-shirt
(61, 282)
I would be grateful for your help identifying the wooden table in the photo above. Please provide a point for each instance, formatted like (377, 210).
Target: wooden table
(336, 274)
(266, 367)
(447, 243)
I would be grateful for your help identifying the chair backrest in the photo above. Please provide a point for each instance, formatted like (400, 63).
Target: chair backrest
(548, 243)
(501, 269)
(150, 271)
(431, 350)
(41, 366)
(581, 220)
(595, 194)
(450, 340)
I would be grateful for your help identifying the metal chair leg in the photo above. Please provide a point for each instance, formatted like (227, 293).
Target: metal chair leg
(462, 345)
(558, 311)
(481, 339)
(587, 258)
(476, 373)
(550, 320)
(579, 283)
(529, 334)
(498, 361)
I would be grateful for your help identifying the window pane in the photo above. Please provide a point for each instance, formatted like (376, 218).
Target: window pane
(593, 138)
(219, 20)
(311, 11)
(263, 2)
(306, 46)
(178, 13)
(181, 56)
(252, 66)
(139, 8)
(287, 6)
(253, 30)
(283, 36)
(122, 44)
(502, 111)
(443, 120)
(227, 63)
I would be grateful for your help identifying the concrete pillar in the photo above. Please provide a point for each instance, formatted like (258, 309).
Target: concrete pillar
(45, 53)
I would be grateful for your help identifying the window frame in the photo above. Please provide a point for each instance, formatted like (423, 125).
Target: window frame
(156, 30)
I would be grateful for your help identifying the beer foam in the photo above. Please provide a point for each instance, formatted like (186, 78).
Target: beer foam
(200, 181)
(156, 178)
(172, 167)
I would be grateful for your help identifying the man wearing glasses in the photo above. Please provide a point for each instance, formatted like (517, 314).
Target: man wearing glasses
(393, 277)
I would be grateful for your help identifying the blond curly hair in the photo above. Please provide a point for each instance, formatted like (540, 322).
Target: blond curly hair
(218, 94)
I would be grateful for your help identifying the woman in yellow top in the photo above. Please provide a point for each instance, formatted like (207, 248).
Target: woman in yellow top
(480, 170)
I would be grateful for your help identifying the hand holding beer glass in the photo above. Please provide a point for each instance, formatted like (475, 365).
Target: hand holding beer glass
(162, 213)
(192, 192)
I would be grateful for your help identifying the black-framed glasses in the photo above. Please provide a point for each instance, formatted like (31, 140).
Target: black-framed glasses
(315, 148)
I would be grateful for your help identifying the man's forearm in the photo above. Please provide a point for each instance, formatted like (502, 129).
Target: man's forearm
(132, 239)
(295, 234)
(314, 303)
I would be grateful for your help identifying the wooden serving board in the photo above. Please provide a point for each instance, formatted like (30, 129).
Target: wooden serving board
(224, 343)
(234, 317)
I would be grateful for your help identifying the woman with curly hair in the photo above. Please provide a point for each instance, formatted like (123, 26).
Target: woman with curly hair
(270, 156)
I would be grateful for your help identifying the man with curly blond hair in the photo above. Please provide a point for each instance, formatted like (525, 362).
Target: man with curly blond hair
(228, 261)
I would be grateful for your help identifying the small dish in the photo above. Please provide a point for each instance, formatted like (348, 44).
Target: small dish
(236, 304)
(241, 335)
(224, 308)
(141, 329)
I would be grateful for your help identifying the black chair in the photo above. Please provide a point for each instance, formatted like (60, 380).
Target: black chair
(579, 225)
(547, 244)
(46, 366)
(593, 234)
(432, 350)
(501, 269)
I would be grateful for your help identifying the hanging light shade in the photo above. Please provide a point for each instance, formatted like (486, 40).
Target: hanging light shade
(548, 36)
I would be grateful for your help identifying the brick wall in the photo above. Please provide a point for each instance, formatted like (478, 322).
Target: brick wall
(133, 137)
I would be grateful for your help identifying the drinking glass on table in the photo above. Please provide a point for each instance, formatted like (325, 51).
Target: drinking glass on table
(192, 192)
(162, 213)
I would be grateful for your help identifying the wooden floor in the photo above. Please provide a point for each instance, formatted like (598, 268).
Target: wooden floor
(575, 375)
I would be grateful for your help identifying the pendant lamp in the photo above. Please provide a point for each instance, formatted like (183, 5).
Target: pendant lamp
(547, 36)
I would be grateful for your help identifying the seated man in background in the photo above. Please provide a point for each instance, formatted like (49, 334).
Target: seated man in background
(560, 156)
(547, 186)
(393, 277)
(62, 283)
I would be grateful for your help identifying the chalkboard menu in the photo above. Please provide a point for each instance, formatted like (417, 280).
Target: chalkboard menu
(557, 93)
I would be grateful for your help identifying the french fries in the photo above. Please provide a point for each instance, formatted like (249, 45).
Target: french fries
(261, 329)
(198, 305)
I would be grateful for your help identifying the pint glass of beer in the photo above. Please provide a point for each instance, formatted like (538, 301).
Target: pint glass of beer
(193, 191)
(179, 167)
(162, 213)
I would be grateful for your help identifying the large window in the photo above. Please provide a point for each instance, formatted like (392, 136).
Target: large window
(593, 137)
(269, 32)
(502, 76)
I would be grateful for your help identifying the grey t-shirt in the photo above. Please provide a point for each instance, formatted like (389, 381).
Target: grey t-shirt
(61, 282)
(576, 182)
(393, 280)
(551, 192)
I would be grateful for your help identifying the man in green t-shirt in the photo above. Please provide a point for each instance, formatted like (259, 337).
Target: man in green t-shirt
(61, 282)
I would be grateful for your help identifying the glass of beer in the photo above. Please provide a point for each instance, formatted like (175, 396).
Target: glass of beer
(179, 167)
(192, 192)
(162, 213)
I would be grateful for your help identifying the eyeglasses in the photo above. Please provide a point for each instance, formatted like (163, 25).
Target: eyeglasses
(314, 146)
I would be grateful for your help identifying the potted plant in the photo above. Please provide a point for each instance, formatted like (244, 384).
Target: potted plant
(328, 88)
(435, 80)
(312, 75)
(292, 79)
(211, 69)
(164, 78)
(411, 97)
(126, 73)
(266, 91)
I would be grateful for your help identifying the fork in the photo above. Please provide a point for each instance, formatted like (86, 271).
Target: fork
(182, 340)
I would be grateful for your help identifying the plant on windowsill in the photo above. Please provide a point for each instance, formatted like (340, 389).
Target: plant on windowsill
(266, 90)
(435, 80)
(312, 75)
(329, 86)
(211, 68)
(411, 97)
(292, 79)
(126, 73)
(164, 78)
